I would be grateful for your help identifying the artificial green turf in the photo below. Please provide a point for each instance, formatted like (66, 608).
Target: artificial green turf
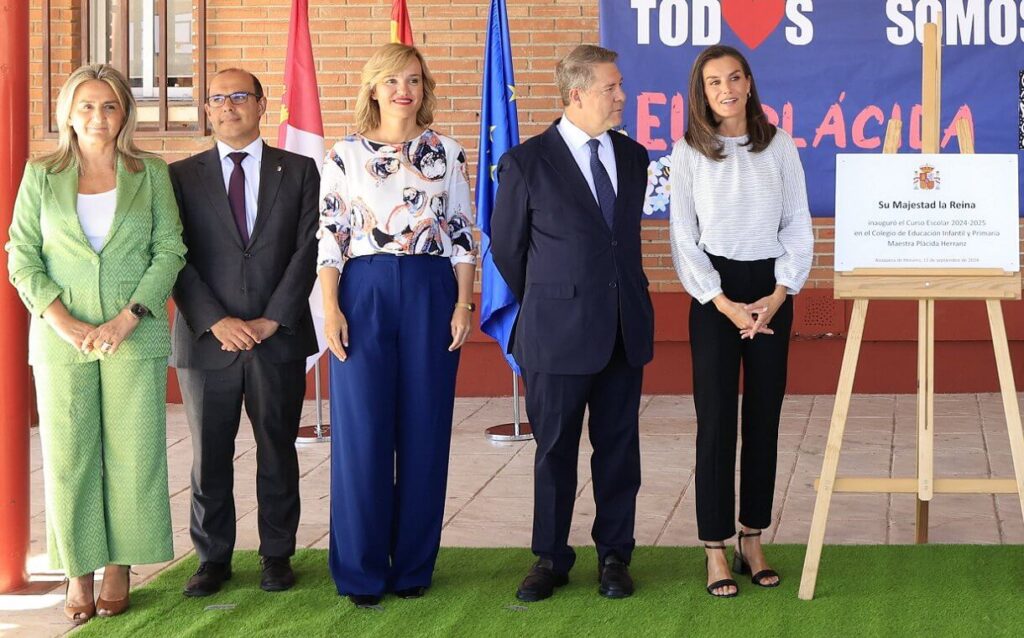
(926, 590)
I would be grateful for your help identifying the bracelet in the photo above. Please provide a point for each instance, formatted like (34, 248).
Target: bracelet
(468, 306)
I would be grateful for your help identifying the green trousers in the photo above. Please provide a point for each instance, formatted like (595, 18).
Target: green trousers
(103, 429)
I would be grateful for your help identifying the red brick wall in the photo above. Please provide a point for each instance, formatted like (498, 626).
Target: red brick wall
(451, 33)
(254, 34)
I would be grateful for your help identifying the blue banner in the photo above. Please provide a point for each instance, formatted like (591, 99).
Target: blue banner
(831, 73)
(499, 131)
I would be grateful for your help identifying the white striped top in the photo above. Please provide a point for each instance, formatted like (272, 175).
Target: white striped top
(747, 207)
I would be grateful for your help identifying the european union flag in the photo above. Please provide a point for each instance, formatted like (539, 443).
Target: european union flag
(499, 131)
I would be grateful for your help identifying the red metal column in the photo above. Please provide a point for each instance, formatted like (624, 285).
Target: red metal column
(14, 373)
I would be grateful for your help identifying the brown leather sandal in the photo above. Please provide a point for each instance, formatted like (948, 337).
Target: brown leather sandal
(77, 615)
(108, 608)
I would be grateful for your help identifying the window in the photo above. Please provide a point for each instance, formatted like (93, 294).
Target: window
(159, 44)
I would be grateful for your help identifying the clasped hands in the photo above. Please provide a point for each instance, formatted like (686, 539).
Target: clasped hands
(85, 337)
(237, 334)
(752, 318)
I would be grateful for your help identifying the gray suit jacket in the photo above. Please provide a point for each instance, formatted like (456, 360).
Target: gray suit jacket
(270, 277)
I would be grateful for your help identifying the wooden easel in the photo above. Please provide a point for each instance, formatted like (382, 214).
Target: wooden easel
(926, 286)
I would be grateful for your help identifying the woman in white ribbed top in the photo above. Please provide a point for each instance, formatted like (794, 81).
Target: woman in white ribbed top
(742, 247)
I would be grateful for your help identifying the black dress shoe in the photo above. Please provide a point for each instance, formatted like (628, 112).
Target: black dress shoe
(364, 600)
(277, 574)
(615, 579)
(540, 583)
(411, 592)
(208, 579)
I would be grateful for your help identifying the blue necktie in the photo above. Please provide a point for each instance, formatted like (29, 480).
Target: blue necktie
(602, 184)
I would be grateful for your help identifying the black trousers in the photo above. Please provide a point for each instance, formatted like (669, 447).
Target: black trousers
(555, 404)
(718, 353)
(272, 394)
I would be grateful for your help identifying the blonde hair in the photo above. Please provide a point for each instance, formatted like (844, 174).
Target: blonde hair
(389, 60)
(68, 153)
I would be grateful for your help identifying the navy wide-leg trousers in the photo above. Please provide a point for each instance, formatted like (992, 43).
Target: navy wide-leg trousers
(391, 417)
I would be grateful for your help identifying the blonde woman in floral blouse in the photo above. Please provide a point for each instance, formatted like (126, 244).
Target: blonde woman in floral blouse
(396, 260)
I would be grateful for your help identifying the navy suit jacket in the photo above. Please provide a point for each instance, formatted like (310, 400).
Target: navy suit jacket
(578, 281)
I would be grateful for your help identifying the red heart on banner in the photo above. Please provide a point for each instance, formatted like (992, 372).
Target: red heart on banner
(753, 20)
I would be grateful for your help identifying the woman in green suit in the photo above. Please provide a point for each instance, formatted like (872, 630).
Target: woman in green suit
(95, 247)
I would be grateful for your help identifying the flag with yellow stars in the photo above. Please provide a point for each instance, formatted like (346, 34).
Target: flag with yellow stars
(499, 131)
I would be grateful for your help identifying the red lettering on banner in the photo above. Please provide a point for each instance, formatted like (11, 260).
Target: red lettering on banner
(678, 117)
(645, 121)
(862, 131)
(859, 122)
(834, 124)
(787, 125)
(916, 118)
(963, 114)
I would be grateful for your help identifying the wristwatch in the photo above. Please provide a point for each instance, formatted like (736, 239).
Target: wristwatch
(139, 310)
(468, 306)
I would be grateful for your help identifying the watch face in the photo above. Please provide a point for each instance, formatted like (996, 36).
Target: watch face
(138, 310)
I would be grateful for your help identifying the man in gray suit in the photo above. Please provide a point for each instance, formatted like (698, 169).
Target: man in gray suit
(243, 330)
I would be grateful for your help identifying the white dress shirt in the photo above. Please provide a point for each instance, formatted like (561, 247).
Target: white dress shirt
(251, 168)
(576, 139)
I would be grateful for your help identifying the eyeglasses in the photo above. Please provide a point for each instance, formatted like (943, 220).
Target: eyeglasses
(238, 97)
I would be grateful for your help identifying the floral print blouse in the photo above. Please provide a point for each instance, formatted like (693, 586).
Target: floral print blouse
(408, 199)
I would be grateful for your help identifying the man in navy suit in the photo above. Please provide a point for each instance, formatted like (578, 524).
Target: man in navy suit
(566, 238)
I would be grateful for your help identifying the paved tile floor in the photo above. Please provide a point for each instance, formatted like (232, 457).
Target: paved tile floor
(490, 487)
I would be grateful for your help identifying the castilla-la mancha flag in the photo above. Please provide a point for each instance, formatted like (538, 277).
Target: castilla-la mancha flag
(302, 127)
(401, 28)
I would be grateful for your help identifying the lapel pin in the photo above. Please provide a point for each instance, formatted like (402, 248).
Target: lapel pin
(279, 168)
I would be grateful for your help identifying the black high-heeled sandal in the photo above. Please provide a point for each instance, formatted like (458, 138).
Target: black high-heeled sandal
(725, 582)
(741, 566)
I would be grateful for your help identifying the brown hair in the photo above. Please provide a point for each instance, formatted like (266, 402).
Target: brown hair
(389, 60)
(702, 127)
(68, 154)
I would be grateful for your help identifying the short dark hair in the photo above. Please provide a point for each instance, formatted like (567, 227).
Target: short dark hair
(257, 86)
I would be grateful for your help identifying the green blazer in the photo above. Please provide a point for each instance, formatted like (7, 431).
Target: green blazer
(50, 257)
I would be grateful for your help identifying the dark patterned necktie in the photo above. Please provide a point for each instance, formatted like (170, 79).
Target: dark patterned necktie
(602, 184)
(236, 195)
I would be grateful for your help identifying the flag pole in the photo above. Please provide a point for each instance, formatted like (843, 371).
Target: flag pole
(515, 431)
(320, 425)
(319, 432)
(499, 131)
(301, 130)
